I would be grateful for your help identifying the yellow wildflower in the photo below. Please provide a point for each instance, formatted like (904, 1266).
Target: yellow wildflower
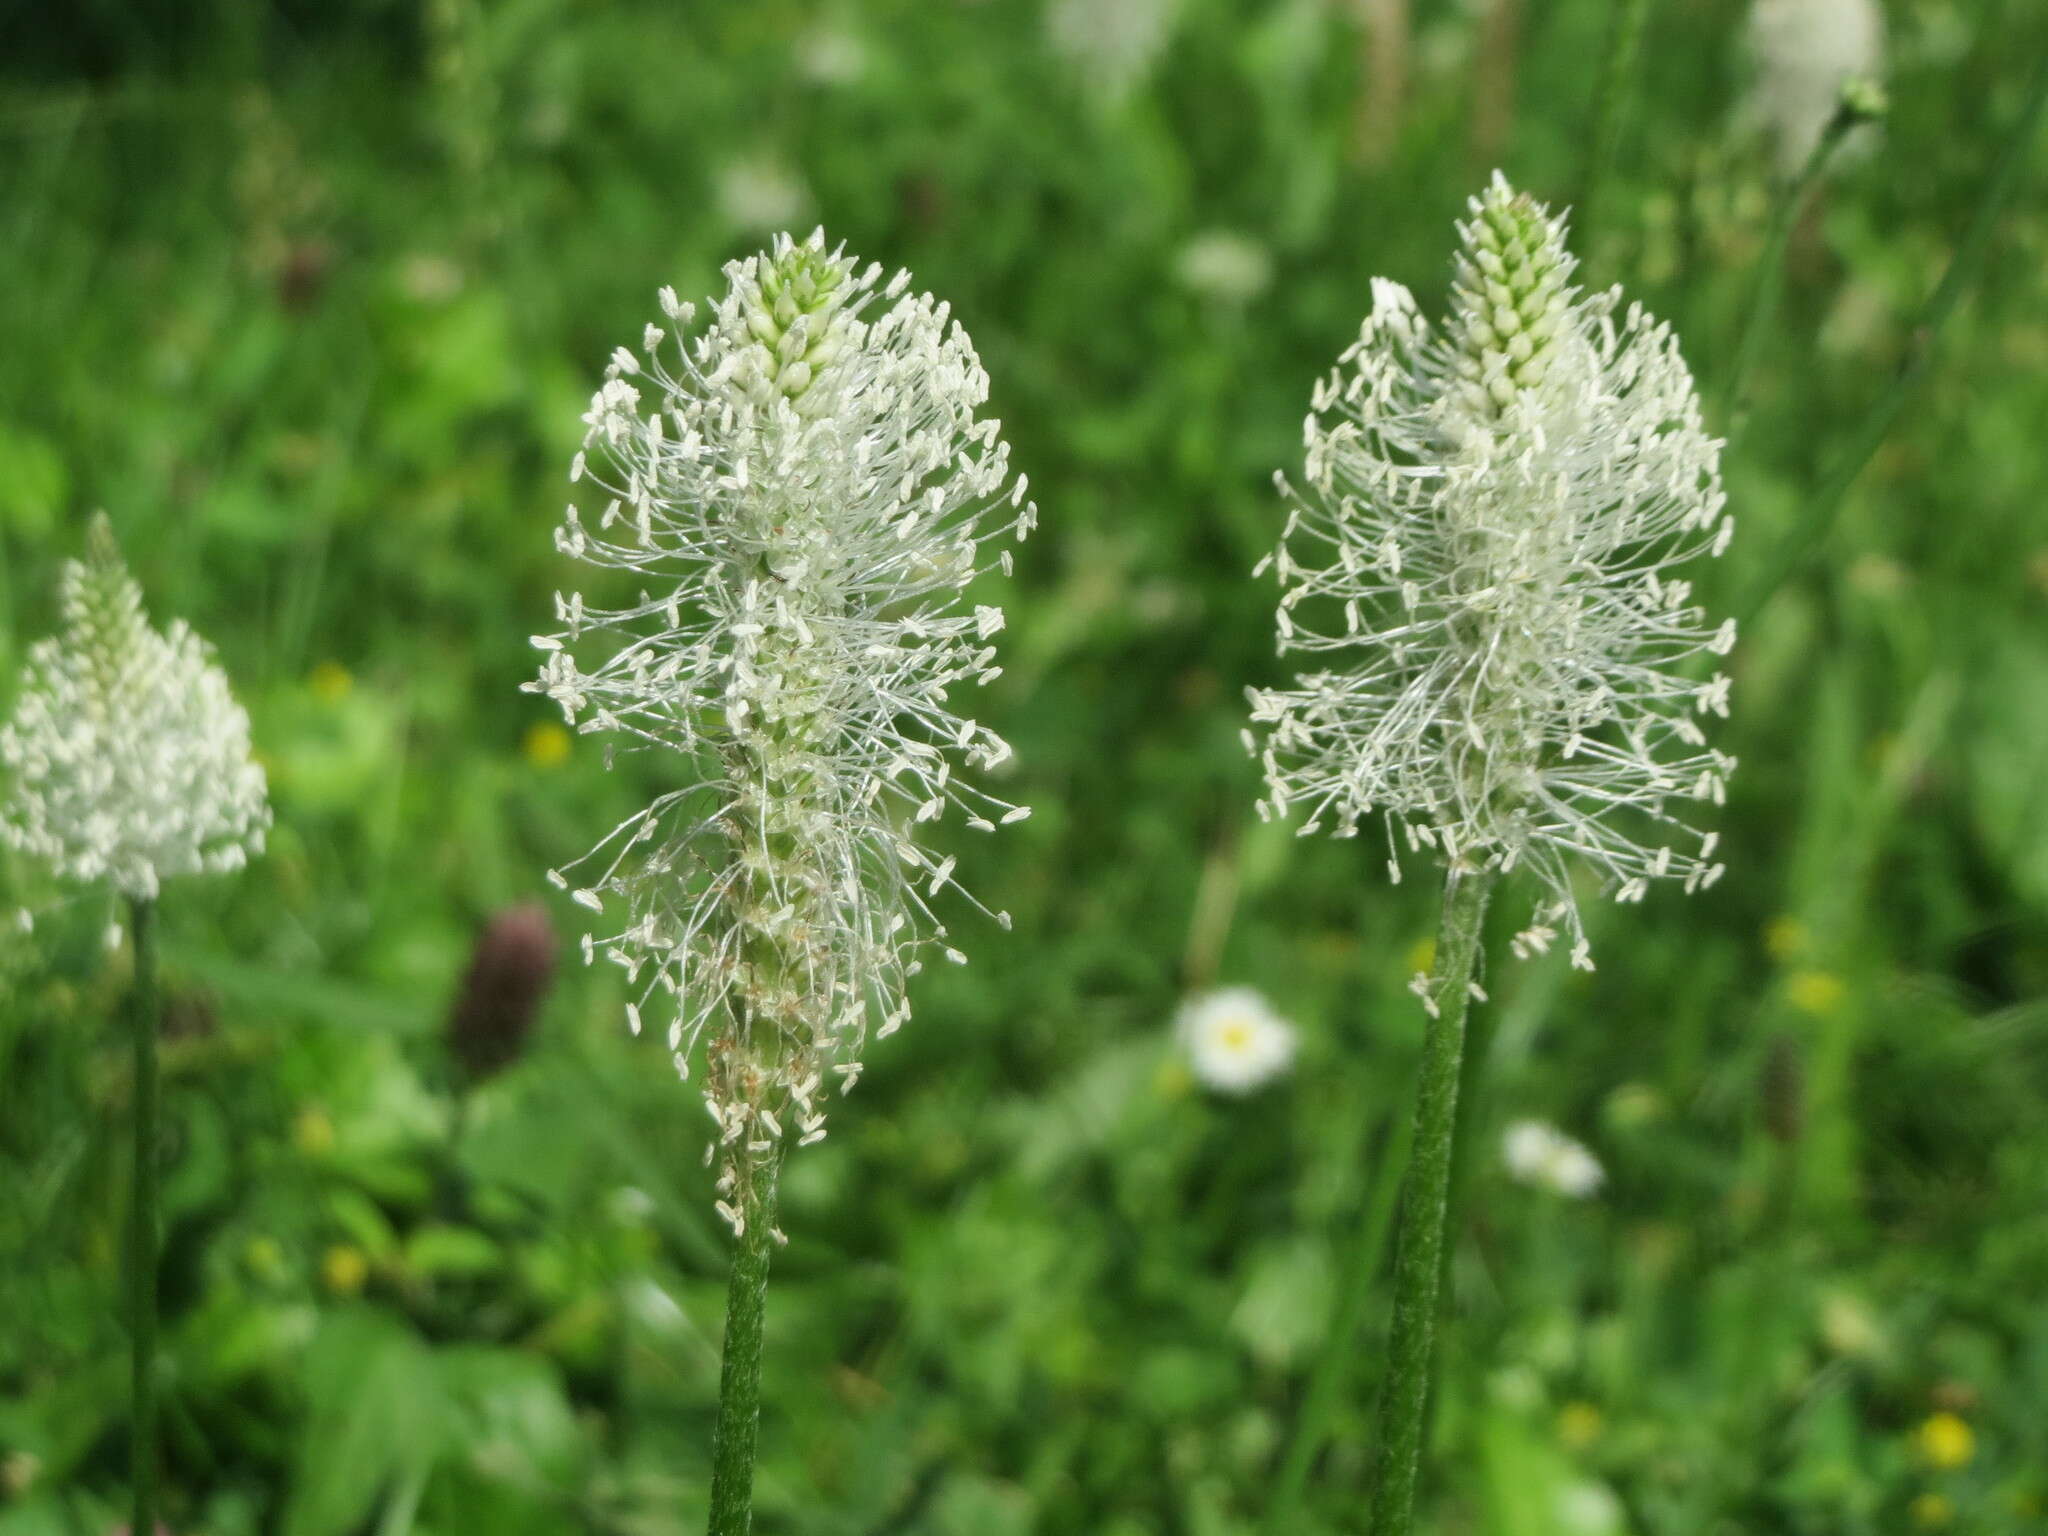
(1931, 1511)
(1945, 1441)
(1173, 1080)
(330, 682)
(312, 1131)
(1816, 992)
(1578, 1425)
(1785, 937)
(344, 1269)
(546, 745)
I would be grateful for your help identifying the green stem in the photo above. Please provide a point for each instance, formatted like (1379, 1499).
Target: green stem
(1812, 530)
(142, 1240)
(1418, 1257)
(1624, 42)
(739, 1379)
(1770, 272)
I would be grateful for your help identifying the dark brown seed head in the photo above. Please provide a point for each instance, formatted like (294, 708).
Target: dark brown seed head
(510, 972)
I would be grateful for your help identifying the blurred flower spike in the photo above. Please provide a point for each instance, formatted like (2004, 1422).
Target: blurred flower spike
(1814, 59)
(1484, 538)
(1234, 1040)
(802, 490)
(127, 756)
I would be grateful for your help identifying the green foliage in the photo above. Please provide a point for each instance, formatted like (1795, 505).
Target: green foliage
(310, 299)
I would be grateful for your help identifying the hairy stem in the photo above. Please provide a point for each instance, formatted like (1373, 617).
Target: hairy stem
(739, 1378)
(142, 1237)
(1811, 531)
(1418, 1256)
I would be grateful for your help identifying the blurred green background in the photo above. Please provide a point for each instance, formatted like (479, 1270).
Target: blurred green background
(310, 296)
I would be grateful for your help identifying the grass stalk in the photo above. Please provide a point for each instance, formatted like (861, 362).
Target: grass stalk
(1339, 1361)
(1425, 1202)
(1379, 110)
(1493, 80)
(1624, 41)
(1811, 531)
(739, 1377)
(142, 1237)
(1769, 278)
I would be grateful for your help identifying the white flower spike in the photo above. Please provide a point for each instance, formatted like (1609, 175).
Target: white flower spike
(1234, 1040)
(801, 489)
(127, 757)
(1484, 543)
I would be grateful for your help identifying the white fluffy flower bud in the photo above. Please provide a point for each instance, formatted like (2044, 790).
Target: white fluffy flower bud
(1483, 536)
(127, 755)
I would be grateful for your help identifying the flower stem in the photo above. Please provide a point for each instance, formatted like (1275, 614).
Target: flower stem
(1811, 531)
(1770, 272)
(1418, 1256)
(142, 1239)
(739, 1379)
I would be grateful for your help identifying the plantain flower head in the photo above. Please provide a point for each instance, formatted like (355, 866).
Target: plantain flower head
(1481, 553)
(800, 489)
(127, 755)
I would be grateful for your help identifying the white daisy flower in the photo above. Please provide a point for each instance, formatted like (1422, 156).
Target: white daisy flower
(1234, 1040)
(1226, 266)
(1543, 1156)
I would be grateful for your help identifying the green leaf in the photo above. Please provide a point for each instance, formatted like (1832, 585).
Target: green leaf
(377, 1410)
(2008, 744)
(1286, 1301)
(361, 1219)
(33, 482)
(443, 1250)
